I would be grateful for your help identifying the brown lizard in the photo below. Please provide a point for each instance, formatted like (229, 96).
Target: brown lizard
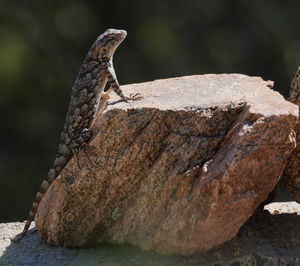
(95, 71)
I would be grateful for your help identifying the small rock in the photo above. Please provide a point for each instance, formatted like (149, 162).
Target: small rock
(178, 172)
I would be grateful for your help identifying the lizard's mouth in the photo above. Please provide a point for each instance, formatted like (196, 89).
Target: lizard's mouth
(118, 35)
(113, 35)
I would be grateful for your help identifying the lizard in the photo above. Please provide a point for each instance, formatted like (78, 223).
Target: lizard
(96, 70)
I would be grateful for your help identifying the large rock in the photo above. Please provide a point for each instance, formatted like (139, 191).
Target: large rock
(177, 172)
(292, 170)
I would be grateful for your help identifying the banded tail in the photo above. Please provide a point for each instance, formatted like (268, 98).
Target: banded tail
(43, 189)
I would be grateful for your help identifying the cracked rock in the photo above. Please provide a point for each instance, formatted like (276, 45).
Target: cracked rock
(178, 172)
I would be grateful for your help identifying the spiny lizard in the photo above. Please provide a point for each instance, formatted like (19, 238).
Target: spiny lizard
(95, 71)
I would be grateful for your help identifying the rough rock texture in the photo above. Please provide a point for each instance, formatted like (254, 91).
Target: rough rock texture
(272, 238)
(292, 170)
(178, 172)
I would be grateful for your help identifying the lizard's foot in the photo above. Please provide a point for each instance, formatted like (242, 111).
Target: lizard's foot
(133, 97)
(85, 150)
(81, 144)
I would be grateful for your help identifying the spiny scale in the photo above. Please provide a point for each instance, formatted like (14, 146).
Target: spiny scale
(95, 71)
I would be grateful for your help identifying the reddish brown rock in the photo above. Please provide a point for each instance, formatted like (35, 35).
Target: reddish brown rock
(178, 172)
(292, 170)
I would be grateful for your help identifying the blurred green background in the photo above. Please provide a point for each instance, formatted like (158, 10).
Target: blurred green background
(43, 43)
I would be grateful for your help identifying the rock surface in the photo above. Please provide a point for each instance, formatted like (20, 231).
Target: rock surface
(273, 238)
(292, 170)
(178, 172)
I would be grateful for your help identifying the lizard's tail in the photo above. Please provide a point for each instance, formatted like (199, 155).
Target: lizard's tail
(43, 188)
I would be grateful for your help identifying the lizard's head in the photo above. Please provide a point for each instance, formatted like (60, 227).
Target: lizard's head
(108, 42)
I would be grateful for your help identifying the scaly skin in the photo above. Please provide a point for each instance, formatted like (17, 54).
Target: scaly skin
(95, 71)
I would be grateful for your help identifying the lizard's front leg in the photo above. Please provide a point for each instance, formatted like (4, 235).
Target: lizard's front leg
(114, 85)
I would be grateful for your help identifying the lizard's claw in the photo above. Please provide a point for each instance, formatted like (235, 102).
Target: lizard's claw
(134, 97)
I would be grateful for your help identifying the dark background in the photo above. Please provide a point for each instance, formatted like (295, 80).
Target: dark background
(43, 43)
